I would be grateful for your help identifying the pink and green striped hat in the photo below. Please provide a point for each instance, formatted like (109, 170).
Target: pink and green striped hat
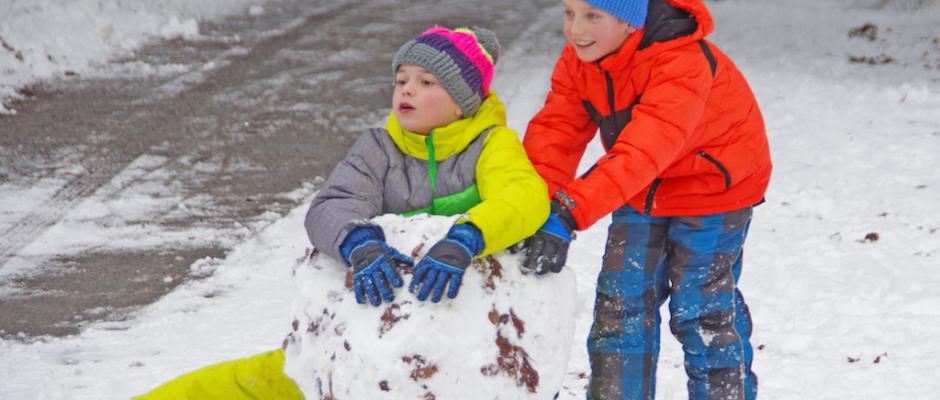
(462, 60)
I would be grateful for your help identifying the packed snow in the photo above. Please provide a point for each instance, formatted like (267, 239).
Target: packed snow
(841, 263)
(499, 338)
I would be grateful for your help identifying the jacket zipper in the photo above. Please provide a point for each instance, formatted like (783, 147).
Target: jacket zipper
(610, 92)
(610, 101)
(717, 164)
(432, 168)
(608, 136)
(649, 196)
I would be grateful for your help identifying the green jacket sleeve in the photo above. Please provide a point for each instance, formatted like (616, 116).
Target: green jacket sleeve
(514, 198)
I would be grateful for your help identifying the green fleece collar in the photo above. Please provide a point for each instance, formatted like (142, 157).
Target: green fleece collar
(451, 139)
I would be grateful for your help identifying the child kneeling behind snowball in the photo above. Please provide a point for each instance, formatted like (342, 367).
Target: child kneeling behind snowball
(445, 150)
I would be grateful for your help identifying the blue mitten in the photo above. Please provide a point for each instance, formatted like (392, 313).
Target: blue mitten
(445, 263)
(375, 264)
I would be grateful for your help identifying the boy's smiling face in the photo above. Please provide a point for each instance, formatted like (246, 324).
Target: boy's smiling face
(420, 102)
(593, 33)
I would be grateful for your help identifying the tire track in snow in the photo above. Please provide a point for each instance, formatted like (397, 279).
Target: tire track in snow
(103, 169)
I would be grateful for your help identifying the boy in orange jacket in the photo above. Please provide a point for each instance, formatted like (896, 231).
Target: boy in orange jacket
(686, 160)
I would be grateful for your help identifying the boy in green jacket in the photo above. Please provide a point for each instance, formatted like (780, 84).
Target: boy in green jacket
(445, 150)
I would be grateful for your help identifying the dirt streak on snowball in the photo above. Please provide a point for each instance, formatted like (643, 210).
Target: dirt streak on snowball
(506, 336)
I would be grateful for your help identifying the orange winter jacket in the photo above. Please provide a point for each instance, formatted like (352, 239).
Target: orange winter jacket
(682, 129)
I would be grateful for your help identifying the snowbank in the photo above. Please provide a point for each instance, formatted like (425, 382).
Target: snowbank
(499, 339)
(49, 39)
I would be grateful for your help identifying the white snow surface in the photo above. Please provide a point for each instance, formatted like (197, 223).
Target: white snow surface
(498, 339)
(51, 39)
(836, 315)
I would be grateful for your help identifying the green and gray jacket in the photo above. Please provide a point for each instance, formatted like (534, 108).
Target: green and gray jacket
(475, 166)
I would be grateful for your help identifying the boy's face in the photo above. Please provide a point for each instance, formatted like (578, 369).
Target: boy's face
(592, 32)
(420, 102)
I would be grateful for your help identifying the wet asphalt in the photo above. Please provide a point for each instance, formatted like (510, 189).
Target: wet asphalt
(271, 102)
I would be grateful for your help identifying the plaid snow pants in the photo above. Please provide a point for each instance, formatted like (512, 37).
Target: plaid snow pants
(695, 262)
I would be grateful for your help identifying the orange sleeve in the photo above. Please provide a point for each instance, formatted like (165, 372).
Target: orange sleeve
(668, 112)
(557, 136)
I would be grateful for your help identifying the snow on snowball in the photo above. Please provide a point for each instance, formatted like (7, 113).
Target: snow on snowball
(505, 336)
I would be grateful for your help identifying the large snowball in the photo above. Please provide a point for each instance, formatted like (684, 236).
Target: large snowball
(506, 336)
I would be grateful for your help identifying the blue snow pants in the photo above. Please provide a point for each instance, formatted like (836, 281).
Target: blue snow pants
(695, 262)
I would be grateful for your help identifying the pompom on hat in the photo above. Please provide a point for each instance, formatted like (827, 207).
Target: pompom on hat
(462, 60)
(632, 12)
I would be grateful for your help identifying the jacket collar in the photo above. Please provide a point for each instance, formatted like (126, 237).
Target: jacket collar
(451, 139)
(669, 24)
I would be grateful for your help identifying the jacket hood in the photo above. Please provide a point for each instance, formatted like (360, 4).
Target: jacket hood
(450, 139)
(669, 24)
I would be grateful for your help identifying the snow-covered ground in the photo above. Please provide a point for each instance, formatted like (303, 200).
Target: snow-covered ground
(50, 39)
(842, 260)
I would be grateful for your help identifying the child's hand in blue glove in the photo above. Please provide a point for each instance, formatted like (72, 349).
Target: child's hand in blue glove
(445, 263)
(375, 265)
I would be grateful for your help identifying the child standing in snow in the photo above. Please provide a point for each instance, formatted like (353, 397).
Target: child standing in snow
(686, 160)
(445, 150)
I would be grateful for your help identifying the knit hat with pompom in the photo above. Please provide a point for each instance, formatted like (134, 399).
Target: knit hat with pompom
(462, 60)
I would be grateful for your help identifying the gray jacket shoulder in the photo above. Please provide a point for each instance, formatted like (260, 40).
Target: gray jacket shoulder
(353, 192)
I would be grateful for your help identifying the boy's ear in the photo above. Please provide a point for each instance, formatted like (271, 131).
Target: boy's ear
(459, 113)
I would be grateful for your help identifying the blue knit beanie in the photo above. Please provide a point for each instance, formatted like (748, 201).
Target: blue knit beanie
(632, 12)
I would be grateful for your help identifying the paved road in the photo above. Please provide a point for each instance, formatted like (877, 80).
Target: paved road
(196, 159)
